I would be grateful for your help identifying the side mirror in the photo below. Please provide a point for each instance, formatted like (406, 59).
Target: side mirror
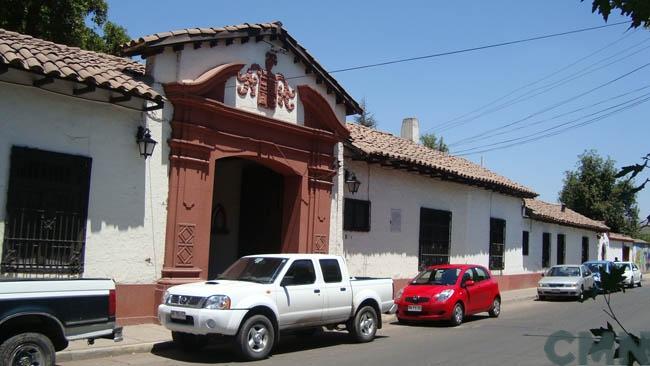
(286, 281)
(469, 283)
(543, 274)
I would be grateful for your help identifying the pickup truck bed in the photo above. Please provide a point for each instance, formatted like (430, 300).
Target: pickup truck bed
(46, 314)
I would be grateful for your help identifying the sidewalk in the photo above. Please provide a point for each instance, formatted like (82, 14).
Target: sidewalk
(147, 337)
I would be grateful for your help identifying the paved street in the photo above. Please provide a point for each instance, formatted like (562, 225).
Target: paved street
(517, 337)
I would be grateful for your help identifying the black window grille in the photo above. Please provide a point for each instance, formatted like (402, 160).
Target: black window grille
(585, 249)
(561, 248)
(356, 215)
(524, 243)
(497, 243)
(47, 205)
(435, 237)
(546, 250)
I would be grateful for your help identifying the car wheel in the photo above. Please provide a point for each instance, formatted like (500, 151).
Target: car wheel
(255, 338)
(27, 349)
(495, 310)
(457, 315)
(189, 342)
(581, 295)
(364, 325)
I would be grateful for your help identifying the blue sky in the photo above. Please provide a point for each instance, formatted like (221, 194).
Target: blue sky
(345, 33)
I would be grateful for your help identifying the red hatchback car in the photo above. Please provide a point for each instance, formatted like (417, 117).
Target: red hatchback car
(449, 292)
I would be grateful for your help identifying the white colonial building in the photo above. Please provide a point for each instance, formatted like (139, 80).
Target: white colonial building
(415, 207)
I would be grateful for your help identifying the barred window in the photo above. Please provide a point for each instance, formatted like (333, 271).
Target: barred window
(435, 237)
(356, 215)
(497, 243)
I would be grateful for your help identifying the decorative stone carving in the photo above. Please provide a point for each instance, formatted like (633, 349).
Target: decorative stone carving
(185, 245)
(320, 243)
(270, 88)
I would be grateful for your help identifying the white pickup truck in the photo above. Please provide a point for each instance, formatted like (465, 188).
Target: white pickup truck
(259, 296)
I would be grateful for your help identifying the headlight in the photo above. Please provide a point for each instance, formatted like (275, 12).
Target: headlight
(572, 285)
(165, 297)
(400, 293)
(539, 284)
(444, 295)
(217, 302)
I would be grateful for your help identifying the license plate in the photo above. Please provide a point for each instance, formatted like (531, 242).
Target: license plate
(179, 315)
(415, 308)
(555, 290)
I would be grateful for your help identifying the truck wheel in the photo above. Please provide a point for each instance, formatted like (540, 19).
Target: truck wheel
(27, 349)
(364, 325)
(255, 338)
(189, 342)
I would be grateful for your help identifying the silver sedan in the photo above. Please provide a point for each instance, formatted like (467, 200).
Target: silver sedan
(567, 280)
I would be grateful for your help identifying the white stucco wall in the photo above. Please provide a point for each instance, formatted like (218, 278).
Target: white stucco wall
(127, 203)
(573, 244)
(616, 249)
(381, 252)
(190, 63)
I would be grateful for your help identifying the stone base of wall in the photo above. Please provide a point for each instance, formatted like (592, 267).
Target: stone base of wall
(506, 282)
(136, 303)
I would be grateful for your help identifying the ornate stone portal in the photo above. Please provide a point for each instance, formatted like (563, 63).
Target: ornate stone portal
(273, 87)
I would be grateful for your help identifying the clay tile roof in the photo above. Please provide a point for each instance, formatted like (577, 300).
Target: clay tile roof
(551, 212)
(149, 44)
(383, 146)
(621, 237)
(59, 61)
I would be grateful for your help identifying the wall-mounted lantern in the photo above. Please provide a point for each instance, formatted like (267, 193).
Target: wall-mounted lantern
(352, 182)
(145, 143)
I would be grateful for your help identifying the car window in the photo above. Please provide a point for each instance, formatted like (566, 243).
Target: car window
(331, 270)
(437, 276)
(480, 274)
(626, 266)
(634, 267)
(564, 271)
(469, 275)
(585, 271)
(301, 272)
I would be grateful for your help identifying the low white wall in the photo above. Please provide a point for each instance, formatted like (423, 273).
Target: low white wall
(127, 205)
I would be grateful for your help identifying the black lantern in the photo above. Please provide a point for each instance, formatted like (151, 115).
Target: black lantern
(145, 143)
(352, 182)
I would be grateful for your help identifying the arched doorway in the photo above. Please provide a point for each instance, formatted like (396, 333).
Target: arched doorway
(247, 212)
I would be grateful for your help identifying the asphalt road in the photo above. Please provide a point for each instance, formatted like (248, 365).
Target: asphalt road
(517, 337)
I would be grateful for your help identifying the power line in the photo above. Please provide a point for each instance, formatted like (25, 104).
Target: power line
(476, 48)
(565, 113)
(565, 101)
(536, 136)
(554, 85)
(449, 123)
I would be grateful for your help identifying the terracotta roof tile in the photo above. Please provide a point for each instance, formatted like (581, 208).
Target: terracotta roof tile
(550, 212)
(158, 40)
(385, 145)
(60, 61)
(621, 237)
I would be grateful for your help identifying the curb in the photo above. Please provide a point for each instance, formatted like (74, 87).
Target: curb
(87, 354)
(101, 352)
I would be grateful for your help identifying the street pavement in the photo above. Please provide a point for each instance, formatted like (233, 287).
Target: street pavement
(517, 337)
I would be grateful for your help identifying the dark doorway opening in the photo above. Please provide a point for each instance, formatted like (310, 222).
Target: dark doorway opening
(626, 253)
(546, 250)
(247, 212)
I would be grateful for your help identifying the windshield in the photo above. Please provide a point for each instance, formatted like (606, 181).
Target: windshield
(564, 271)
(437, 276)
(626, 266)
(254, 269)
(596, 267)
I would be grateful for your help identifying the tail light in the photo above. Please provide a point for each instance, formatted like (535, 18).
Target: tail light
(111, 303)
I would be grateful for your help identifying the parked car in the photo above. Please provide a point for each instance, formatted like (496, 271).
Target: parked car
(449, 292)
(570, 280)
(633, 276)
(596, 266)
(40, 317)
(259, 296)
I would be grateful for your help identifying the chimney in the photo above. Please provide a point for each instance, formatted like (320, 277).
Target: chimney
(411, 129)
(563, 207)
